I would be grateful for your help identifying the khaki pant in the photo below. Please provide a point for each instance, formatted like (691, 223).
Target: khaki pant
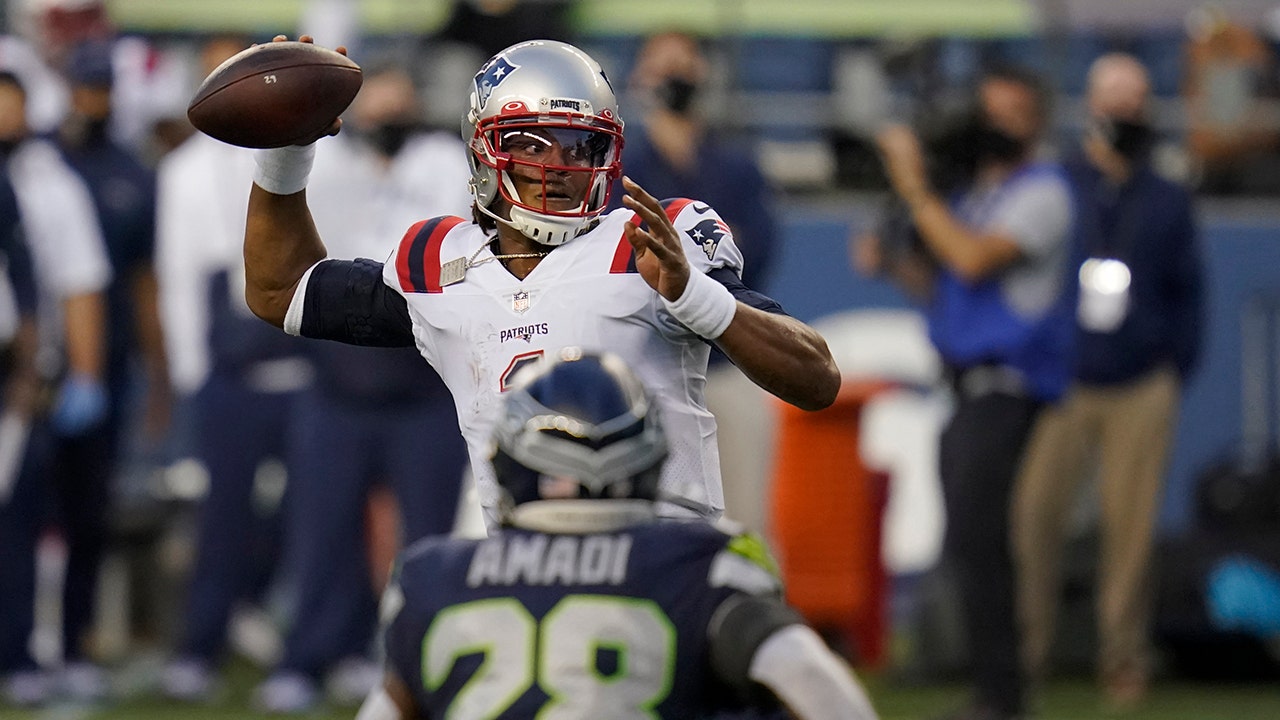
(1126, 429)
(745, 432)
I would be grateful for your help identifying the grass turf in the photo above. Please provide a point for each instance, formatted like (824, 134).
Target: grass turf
(1073, 699)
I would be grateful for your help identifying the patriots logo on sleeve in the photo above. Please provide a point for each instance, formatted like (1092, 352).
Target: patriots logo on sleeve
(708, 235)
(491, 76)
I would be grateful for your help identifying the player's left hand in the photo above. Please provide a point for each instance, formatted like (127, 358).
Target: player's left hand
(659, 254)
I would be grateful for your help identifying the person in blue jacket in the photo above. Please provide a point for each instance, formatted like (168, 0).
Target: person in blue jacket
(990, 268)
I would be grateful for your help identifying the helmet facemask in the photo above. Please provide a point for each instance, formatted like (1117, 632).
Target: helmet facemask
(567, 165)
(543, 118)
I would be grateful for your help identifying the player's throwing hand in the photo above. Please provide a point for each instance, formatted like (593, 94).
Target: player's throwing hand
(660, 257)
(335, 127)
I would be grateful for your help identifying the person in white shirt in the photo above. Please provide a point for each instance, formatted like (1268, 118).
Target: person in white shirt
(237, 383)
(71, 271)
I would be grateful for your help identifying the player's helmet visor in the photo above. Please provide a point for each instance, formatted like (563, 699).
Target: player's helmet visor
(567, 162)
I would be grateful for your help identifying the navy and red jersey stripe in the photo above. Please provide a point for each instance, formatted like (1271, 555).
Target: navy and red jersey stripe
(624, 257)
(418, 259)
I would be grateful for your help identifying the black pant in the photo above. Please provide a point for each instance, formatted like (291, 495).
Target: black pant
(981, 448)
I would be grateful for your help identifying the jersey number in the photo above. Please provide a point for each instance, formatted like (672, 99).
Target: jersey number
(562, 654)
(513, 367)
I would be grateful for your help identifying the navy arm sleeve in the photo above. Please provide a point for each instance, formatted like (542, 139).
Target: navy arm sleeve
(740, 626)
(347, 301)
(744, 294)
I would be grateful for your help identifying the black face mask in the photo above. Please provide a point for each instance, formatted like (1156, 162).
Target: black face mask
(96, 130)
(994, 144)
(83, 131)
(1131, 139)
(389, 138)
(972, 140)
(677, 94)
(8, 145)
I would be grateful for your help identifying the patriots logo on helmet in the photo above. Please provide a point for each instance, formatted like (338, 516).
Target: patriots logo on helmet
(492, 75)
(708, 235)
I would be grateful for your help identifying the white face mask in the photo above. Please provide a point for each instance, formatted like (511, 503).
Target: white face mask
(1104, 294)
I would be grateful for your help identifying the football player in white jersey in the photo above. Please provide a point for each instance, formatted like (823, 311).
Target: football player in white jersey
(539, 267)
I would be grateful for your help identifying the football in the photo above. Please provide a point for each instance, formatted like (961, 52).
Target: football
(274, 94)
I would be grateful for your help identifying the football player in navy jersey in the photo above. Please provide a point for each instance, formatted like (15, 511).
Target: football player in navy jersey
(584, 606)
(542, 266)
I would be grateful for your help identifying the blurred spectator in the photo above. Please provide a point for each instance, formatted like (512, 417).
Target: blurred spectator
(998, 254)
(19, 385)
(150, 82)
(375, 416)
(1230, 89)
(240, 378)
(82, 464)
(1138, 335)
(672, 152)
(72, 269)
(492, 25)
(123, 191)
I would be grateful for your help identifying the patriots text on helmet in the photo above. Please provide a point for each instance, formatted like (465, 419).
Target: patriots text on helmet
(563, 104)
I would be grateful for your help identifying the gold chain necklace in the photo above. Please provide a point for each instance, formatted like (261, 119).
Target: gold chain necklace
(455, 270)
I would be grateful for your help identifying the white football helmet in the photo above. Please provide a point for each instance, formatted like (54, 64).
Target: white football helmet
(544, 110)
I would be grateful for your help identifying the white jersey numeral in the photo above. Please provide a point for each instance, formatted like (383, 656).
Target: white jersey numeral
(563, 654)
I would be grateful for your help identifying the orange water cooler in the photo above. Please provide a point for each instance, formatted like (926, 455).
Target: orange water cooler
(827, 511)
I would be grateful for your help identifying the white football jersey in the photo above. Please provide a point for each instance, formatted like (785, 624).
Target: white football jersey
(478, 332)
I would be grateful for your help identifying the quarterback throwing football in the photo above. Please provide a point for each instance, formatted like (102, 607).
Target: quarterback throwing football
(540, 266)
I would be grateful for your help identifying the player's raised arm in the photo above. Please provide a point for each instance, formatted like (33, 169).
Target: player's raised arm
(779, 353)
(280, 243)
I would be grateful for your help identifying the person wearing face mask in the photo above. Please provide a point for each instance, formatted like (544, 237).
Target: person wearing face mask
(61, 230)
(124, 195)
(993, 294)
(361, 428)
(1139, 279)
(673, 152)
(123, 191)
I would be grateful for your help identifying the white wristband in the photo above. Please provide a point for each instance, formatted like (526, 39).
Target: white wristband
(706, 307)
(284, 171)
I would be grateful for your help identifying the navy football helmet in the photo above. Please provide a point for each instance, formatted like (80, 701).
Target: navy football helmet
(581, 425)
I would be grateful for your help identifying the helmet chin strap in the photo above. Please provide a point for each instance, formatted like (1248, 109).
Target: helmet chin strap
(553, 227)
(484, 209)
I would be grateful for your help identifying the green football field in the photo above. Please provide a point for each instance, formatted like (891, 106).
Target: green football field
(1062, 700)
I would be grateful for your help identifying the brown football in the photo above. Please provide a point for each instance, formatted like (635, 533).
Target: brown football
(274, 94)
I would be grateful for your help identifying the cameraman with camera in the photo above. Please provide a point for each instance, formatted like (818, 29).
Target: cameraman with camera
(989, 269)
